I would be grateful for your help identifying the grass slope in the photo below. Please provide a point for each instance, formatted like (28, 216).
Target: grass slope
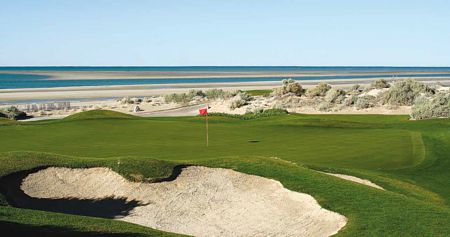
(408, 158)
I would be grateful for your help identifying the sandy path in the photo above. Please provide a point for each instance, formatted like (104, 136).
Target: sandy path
(200, 201)
(356, 180)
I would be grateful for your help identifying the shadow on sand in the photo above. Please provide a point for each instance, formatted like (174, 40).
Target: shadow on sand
(106, 208)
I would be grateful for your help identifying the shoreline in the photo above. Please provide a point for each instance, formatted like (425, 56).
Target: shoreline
(92, 92)
(117, 75)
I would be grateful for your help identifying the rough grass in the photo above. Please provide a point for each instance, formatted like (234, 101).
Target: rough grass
(249, 116)
(408, 158)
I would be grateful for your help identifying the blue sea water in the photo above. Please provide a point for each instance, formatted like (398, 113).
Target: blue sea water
(15, 81)
(228, 68)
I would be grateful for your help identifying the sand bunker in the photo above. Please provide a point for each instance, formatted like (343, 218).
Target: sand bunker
(356, 180)
(200, 201)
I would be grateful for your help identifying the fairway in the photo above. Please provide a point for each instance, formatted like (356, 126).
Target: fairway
(409, 159)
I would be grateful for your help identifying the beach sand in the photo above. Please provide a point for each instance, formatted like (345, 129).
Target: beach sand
(162, 89)
(154, 105)
(185, 74)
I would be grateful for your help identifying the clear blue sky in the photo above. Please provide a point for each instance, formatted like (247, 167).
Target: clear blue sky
(227, 32)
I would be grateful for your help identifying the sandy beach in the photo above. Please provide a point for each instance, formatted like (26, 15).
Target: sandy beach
(91, 92)
(126, 74)
(56, 103)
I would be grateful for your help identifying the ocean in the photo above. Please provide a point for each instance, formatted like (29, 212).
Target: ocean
(35, 77)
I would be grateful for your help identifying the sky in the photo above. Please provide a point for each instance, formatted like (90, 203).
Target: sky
(226, 32)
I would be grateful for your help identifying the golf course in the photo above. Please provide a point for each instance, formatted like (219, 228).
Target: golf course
(409, 159)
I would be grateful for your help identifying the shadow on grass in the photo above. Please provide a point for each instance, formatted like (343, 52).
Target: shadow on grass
(16, 229)
(105, 208)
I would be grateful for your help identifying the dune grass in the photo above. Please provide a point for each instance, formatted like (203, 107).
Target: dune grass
(408, 158)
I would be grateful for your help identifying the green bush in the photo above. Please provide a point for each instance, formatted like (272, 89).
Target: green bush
(435, 107)
(404, 92)
(320, 90)
(13, 113)
(365, 102)
(289, 86)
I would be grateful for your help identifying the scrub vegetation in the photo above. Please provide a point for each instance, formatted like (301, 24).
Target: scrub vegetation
(12, 113)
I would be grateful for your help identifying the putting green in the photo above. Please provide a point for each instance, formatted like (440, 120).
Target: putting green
(184, 139)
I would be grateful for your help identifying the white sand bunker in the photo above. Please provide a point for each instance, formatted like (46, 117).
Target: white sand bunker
(201, 201)
(356, 180)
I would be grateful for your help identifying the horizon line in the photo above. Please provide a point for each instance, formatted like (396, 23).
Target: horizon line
(361, 66)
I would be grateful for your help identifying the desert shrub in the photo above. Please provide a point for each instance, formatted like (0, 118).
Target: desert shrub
(435, 107)
(351, 100)
(214, 94)
(211, 94)
(194, 93)
(324, 106)
(289, 86)
(379, 84)
(320, 90)
(179, 98)
(184, 98)
(125, 100)
(147, 99)
(13, 113)
(355, 87)
(239, 100)
(355, 90)
(364, 102)
(136, 100)
(335, 96)
(404, 92)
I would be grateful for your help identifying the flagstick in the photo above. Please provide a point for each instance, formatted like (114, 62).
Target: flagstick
(207, 139)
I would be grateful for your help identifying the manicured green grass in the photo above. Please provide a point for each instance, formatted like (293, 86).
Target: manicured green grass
(408, 158)
(259, 92)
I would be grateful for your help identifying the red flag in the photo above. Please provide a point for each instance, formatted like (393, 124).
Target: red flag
(203, 111)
